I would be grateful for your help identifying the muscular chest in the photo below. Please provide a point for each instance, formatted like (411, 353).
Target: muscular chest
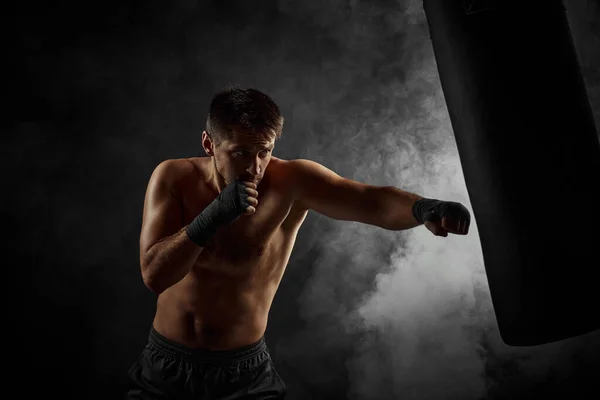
(250, 238)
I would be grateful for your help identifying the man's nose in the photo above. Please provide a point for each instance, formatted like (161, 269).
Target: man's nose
(255, 167)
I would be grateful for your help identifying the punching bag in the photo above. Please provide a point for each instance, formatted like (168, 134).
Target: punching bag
(531, 160)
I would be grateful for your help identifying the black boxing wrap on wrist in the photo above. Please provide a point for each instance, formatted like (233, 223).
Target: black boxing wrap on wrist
(424, 206)
(226, 208)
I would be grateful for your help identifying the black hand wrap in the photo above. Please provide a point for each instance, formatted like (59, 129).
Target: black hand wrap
(226, 208)
(434, 210)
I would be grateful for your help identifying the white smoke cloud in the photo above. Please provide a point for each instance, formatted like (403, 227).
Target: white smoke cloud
(427, 330)
(421, 308)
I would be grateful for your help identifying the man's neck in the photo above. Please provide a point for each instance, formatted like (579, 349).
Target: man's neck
(215, 179)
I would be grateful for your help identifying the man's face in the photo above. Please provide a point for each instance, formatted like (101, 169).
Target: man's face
(243, 158)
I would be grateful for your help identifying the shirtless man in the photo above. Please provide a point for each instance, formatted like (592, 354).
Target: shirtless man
(216, 236)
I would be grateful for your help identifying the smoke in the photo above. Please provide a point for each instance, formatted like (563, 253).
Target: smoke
(423, 310)
(411, 312)
(414, 334)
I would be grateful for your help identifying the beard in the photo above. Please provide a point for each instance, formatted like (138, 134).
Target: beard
(227, 177)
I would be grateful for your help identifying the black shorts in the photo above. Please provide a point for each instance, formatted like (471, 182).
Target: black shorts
(168, 370)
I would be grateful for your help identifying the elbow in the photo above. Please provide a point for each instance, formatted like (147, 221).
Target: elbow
(150, 280)
(152, 285)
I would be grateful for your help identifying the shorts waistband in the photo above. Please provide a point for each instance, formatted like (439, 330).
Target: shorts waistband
(202, 355)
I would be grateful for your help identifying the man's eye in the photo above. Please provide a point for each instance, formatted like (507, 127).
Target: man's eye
(240, 153)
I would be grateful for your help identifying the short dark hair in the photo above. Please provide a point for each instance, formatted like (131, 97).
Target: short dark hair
(249, 112)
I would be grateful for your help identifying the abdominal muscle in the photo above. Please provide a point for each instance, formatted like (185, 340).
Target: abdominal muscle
(220, 314)
(219, 307)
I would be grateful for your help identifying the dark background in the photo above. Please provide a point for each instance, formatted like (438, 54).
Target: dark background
(100, 92)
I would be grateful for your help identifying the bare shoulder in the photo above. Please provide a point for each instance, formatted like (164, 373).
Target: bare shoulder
(299, 165)
(289, 167)
(306, 172)
(279, 171)
(277, 164)
(176, 173)
(291, 173)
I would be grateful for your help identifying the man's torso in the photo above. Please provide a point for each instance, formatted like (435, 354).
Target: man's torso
(224, 301)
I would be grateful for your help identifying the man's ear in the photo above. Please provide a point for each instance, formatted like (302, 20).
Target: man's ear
(207, 144)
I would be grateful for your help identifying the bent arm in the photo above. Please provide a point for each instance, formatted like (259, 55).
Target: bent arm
(169, 261)
(166, 252)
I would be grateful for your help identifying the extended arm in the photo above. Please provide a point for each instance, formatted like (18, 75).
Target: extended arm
(320, 189)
